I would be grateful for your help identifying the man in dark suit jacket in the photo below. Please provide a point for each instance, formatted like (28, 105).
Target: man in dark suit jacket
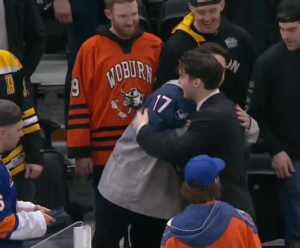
(214, 129)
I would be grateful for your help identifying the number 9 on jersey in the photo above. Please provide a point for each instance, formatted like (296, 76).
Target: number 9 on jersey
(75, 88)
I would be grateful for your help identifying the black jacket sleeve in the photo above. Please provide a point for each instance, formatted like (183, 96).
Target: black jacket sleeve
(167, 66)
(260, 107)
(200, 136)
(34, 37)
(251, 53)
(32, 139)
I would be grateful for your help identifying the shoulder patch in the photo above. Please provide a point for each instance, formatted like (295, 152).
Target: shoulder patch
(245, 216)
(8, 62)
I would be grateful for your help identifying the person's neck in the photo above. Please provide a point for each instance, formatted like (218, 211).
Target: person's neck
(203, 95)
(200, 29)
(1, 149)
(117, 34)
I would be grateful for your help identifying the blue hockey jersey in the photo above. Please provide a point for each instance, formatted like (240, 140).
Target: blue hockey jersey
(136, 181)
(18, 220)
(167, 108)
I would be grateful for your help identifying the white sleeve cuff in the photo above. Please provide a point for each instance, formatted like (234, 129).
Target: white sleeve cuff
(253, 132)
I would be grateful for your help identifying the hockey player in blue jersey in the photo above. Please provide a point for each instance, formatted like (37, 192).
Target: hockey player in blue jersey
(18, 220)
(137, 189)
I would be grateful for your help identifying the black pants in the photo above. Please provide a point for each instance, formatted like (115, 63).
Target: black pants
(113, 223)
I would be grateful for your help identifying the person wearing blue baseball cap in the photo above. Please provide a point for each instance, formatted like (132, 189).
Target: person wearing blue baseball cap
(207, 222)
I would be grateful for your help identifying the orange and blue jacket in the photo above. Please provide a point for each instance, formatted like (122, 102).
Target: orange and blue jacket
(212, 225)
(18, 220)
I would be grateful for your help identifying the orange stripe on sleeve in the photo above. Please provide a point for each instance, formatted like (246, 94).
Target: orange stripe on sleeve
(8, 225)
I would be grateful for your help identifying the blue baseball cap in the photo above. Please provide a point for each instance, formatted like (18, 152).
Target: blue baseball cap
(202, 170)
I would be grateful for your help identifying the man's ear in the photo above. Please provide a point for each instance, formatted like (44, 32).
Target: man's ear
(197, 82)
(107, 14)
(191, 7)
(222, 5)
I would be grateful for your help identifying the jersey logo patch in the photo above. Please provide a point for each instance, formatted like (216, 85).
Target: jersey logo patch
(132, 100)
(231, 42)
(10, 84)
(245, 216)
(180, 115)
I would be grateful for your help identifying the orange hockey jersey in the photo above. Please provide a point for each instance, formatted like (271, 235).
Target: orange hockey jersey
(212, 225)
(111, 78)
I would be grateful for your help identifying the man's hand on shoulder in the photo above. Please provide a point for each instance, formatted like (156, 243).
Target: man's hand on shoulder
(84, 166)
(141, 119)
(63, 12)
(243, 117)
(188, 123)
(33, 170)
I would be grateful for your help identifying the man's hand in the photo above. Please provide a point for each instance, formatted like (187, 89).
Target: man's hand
(188, 123)
(140, 119)
(49, 220)
(33, 170)
(282, 165)
(63, 12)
(84, 166)
(42, 209)
(243, 117)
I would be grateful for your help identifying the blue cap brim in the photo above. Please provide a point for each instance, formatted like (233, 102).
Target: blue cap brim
(220, 163)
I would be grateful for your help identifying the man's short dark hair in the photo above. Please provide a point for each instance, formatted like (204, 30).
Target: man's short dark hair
(202, 66)
(213, 48)
(10, 113)
(288, 11)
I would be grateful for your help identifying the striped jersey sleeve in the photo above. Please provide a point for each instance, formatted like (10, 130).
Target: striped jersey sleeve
(32, 139)
(78, 132)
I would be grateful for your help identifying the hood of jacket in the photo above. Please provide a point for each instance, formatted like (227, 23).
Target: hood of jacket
(185, 26)
(201, 225)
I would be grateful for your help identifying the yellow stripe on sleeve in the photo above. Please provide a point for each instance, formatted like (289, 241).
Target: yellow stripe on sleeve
(31, 129)
(28, 112)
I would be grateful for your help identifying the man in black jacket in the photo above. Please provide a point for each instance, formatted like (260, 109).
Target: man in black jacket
(214, 129)
(204, 24)
(22, 33)
(275, 98)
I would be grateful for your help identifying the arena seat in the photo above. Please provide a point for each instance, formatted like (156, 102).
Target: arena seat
(153, 10)
(144, 21)
(262, 184)
(172, 12)
(51, 185)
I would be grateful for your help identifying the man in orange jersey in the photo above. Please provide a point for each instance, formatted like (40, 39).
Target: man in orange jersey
(206, 222)
(113, 73)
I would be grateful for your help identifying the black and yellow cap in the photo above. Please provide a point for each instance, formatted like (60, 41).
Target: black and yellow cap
(10, 113)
